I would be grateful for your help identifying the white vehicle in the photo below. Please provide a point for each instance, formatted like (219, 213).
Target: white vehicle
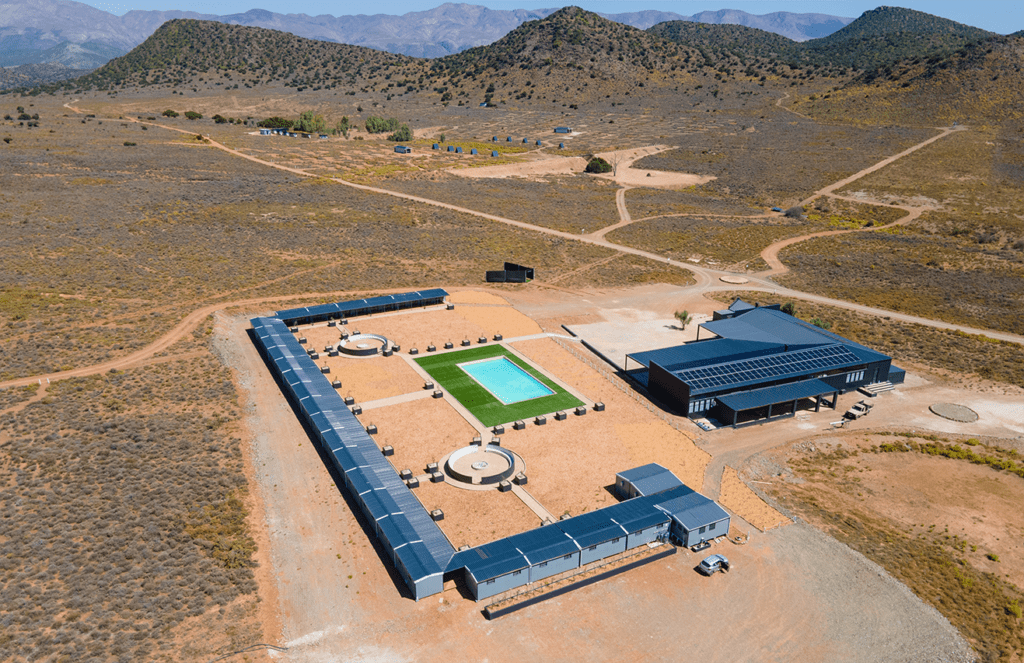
(858, 410)
(712, 564)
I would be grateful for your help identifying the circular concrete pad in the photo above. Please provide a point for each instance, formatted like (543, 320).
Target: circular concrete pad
(954, 412)
(735, 280)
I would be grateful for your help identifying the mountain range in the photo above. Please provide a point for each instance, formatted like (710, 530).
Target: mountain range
(83, 37)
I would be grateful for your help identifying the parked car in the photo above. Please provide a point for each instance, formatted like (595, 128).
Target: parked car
(858, 410)
(712, 564)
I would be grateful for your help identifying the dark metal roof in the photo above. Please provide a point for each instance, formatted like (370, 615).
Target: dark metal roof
(693, 511)
(343, 308)
(491, 560)
(640, 512)
(779, 366)
(592, 528)
(651, 478)
(780, 393)
(704, 353)
(413, 537)
(544, 544)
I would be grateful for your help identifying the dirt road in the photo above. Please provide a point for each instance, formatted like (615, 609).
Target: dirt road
(706, 278)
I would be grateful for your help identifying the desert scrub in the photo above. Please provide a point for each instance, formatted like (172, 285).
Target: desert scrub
(972, 600)
(643, 203)
(878, 269)
(567, 203)
(722, 240)
(101, 473)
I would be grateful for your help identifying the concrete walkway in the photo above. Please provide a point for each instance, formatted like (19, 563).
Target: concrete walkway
(530, 501)
(395, 400)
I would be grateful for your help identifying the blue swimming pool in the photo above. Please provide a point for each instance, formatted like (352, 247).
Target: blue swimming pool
(506, 381)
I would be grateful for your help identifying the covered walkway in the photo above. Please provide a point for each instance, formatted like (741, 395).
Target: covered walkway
(774, 402)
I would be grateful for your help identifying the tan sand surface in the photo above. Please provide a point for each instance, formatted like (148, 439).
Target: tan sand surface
(421, 432)
(498, 320)
(647, 438)
(552, 166)
(476, 297)
(473, 517)
(746, 504)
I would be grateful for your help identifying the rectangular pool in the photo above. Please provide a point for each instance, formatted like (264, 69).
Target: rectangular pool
(506, 381)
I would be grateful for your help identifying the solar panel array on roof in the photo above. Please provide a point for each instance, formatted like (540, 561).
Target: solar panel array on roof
(769, 367)
(414, 541)
(351, 309)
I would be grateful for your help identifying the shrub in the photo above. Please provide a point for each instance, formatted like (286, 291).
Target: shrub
(1014, 608)
(379, 125)
(24, 116)
(128, 143)
(795, 212)
(311, 123)
(992, 557)
(170, 113)
(192, 115)
(220, 119)
(7, 139)
(598, 165)
(823, 324)
(789, 308)
(403, 133)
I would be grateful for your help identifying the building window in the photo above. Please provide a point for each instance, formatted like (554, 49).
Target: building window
(712, 526)
(703, 529)
(542, 565)
(516, 573)
(490, 582)
(567, 557)
(592, 548)
(616, 540)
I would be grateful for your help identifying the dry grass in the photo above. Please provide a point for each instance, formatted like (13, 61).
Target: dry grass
(745, 503)
(834, 494)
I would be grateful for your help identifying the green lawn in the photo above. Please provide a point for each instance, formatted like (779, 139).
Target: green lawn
(485, 407)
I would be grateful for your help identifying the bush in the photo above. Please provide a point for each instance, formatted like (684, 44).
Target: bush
(220, 119)
(795, 212)
(992, 557)
(128, 143)
(170, 113)
(823, 324)
(598, 165)
(404, 133)
(378, 125)
(192, 115)
(789, 308)
(275, 123)
(1014, 608)
(24, 116)
(311, 123)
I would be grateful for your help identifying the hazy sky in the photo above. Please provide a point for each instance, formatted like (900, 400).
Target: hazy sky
(1002, 16)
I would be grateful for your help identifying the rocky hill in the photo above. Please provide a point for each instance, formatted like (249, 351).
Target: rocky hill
(28, 28)
(981, 83)
(878, 39)
(884, 36)
(184, 51)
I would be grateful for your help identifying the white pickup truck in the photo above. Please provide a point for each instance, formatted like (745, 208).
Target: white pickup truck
(858, 410)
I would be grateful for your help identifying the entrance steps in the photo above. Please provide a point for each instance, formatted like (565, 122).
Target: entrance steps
(876, 388)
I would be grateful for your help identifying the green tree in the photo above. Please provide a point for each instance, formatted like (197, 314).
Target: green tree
(598, 165)
(378, 125)
(789, 308)
(275, 123)
(170, 113)
(684, 318)
(192, 115)
(342, 127)
(312, 123)
(403, 133)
